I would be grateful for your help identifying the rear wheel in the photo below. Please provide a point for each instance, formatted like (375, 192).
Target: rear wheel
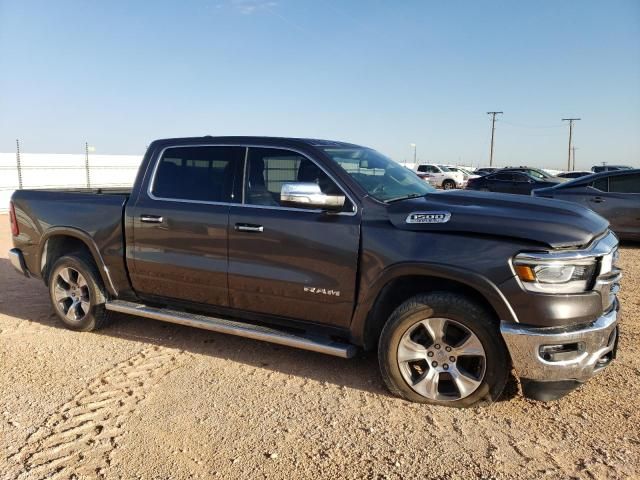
(442, 348)
(448, 184)
(77, 293)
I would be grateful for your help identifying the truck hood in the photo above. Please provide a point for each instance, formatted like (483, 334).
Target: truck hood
(554, 223)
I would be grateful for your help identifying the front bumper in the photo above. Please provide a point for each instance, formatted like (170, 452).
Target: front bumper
(552, 361)
(17, 260)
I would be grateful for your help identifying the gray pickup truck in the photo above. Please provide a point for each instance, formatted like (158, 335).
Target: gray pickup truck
(332, 247)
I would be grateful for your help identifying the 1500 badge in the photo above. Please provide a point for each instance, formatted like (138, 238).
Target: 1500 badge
(428, 217)
(322, 291)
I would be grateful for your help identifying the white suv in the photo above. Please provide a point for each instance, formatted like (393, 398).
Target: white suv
(442, 176)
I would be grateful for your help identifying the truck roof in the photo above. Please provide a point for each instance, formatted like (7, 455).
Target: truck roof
(314, 142)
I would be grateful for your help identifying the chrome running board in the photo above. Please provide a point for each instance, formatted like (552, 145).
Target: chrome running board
(232, 327)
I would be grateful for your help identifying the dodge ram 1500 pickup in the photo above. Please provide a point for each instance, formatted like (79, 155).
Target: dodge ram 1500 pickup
(332, 247)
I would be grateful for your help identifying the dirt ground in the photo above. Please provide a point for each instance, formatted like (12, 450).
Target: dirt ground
(143, 399)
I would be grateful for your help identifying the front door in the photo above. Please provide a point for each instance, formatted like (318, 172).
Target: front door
(291, 262)
(180, 224)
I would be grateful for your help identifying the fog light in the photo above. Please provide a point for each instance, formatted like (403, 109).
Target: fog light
(561, 352)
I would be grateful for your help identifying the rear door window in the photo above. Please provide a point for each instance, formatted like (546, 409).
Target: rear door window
(518, 177)
(625, 183)
(504, 177)
(601, 184)
(204, 173)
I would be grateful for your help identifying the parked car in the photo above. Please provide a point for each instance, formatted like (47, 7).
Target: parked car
(615, 195)
(536, 173)
(332, 247)
(506, 181)
(608, 168)
(485, 170)
(466, 174)
(444, 178)
(574, 174)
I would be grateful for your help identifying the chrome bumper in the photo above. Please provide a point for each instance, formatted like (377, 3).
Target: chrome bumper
(17, 260)
(584, 351)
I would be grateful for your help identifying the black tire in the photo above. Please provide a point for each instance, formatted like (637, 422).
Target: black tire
(463, 311)
(448, 184)
(96, 315)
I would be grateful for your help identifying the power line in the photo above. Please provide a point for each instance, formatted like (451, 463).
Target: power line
(570, 120)
(493, 131)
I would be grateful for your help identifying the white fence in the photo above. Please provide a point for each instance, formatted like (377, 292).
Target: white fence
(59, 170)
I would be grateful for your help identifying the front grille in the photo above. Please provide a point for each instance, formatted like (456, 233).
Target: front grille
(608, 286)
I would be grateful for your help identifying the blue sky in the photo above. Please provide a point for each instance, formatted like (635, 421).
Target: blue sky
(380, 73)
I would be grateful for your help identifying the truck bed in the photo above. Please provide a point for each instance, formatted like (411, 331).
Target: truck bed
(95, 215)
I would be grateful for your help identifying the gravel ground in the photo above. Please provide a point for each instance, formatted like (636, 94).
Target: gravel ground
(142, 399)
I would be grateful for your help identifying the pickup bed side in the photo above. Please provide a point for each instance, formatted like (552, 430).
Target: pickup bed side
(56, 222)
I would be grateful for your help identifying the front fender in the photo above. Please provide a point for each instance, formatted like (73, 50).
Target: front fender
(482, 285)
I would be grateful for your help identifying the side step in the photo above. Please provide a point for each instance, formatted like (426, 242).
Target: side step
(220, 325)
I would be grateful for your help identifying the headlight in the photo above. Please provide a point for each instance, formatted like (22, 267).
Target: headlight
(555, 276)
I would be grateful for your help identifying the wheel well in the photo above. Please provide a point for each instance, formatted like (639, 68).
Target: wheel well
(398, 290)
(58, 246)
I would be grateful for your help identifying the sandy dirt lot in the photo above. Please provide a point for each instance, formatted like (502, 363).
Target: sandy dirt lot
(142, 399)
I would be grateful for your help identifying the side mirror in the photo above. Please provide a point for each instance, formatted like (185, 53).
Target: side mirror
(309, 195)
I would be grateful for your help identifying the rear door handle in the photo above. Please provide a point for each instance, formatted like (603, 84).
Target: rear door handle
(597, 199)
(249, 227)
(151, 218)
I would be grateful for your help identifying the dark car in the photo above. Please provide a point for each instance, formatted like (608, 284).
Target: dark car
(609, 168)
(485, 170)
(574, 174)
(507, 181)
(615, 195)
(536, 173)
(333, 247)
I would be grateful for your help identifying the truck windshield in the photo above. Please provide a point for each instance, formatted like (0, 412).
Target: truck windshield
(381, 177)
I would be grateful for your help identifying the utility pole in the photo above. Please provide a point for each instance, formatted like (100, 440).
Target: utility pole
(86, 163)
(413, 145)
(18, 164)
(570, 120)
(493, 131)
(573, 151)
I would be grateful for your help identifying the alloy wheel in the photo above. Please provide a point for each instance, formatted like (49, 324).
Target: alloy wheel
(441, 359)
(71, 294)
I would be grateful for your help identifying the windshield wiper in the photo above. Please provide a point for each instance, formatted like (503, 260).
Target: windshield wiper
(405, 197)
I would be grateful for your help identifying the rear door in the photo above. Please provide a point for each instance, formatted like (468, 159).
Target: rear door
(180, 224)
(436, 173)
(291, 262)
(500, 182)
(521, 184)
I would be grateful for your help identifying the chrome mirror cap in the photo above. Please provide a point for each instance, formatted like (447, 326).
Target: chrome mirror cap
(309, 195)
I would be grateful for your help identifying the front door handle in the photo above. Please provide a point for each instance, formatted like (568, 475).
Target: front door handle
(151, 218)
(249, 227)
(597, 199)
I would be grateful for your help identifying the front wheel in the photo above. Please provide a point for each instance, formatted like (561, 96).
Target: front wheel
(443, 348)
